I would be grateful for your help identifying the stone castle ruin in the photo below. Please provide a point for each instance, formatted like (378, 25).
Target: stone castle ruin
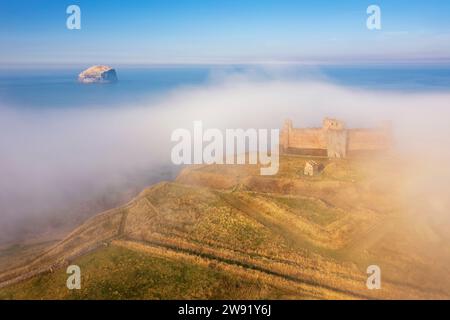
(334, 140)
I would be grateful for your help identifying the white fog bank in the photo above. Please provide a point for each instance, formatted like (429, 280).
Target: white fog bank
(53, 161)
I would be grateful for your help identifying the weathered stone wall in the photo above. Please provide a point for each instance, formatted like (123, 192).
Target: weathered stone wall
(310, 138)
(333, 139)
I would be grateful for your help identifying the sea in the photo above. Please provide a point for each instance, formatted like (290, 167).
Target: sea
(58, 88)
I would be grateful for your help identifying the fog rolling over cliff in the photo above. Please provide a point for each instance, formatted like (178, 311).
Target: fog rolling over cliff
(62, 165)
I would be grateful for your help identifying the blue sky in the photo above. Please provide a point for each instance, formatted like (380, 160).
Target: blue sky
(222, 31)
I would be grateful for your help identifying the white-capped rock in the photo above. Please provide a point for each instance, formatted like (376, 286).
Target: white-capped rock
(98, 74)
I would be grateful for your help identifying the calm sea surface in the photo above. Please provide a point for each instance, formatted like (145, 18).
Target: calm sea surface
(59, 88)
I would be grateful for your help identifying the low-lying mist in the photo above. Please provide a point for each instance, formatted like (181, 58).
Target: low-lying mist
(59, 166)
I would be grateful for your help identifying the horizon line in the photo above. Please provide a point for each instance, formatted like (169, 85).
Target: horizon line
(318, 62)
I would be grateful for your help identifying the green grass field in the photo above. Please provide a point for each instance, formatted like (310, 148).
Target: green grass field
(119, 273)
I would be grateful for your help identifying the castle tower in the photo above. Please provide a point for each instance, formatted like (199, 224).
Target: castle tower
(336, 136)
(334, 124)
(336, 143)
(284, 136)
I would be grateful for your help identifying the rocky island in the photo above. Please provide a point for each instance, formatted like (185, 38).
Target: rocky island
(98, 74)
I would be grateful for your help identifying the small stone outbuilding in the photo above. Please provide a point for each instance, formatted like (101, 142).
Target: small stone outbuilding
(312, 168)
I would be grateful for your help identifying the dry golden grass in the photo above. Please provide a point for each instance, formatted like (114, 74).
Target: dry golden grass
(297, 236)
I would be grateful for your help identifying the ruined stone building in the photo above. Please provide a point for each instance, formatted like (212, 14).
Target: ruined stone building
(333, 139)
(312, 168)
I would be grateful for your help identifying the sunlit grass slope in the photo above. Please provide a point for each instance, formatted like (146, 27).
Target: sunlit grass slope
(227, 232)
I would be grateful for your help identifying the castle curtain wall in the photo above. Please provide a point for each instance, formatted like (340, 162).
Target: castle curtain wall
(333, 140)
(304, 141)
(307, 139)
